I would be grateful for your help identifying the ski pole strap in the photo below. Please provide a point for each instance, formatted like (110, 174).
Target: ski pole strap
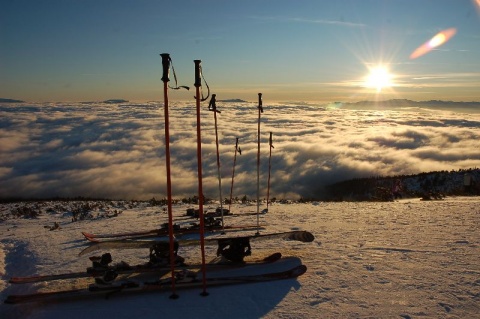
(166, 62)
(237, 148)
(198, 79)
(260, 107)
(212, 106)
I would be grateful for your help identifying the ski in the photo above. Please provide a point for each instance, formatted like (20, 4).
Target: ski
(162, 232)
(298, 235)
(137, 269)
(158, 285)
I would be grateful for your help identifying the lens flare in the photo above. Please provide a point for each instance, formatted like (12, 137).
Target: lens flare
(476, 4)
(439, 39)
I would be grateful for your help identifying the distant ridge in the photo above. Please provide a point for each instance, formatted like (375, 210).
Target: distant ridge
(233, 100)
(115, 101)
(10, 101)
(399, 103)
(421, 185)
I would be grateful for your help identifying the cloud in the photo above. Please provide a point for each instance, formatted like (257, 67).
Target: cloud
(342, 23)
(118, 151)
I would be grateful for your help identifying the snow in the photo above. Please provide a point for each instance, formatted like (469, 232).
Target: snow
(402, 259)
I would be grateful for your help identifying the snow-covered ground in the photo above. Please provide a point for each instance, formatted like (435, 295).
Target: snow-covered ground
(403, 259)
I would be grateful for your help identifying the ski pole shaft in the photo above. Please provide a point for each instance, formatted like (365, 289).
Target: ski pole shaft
(213, 107)
(260, 110)
(269, 169)
(165, 79)
(198, 84)
(233, 174)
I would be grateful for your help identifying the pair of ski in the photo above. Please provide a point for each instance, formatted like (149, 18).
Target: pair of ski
(164, 232)
(137, 269)
(302, 236)
(288, 267)
(296, 235)
(223, 272)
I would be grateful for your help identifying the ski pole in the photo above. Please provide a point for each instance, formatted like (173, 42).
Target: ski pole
(212, 106)
(233, 172)
(198, 84)
(165, 78)
(260, 110)
(269, 169)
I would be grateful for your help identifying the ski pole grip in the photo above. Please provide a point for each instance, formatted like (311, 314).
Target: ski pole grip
(212, 105)
(260, 107)
(198, 73)
(166, 66)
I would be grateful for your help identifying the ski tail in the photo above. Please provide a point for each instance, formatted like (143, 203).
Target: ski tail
(32, 279)
(90, 237)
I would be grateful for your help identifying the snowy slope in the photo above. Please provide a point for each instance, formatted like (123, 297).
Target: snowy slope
(403, 259)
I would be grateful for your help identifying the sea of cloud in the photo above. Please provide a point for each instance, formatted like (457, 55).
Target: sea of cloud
(117, 151)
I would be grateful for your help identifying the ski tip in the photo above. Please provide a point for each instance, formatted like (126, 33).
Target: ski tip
(308, 237)
(273, 257)
(13, 299)
(299, 270)
(303, 236)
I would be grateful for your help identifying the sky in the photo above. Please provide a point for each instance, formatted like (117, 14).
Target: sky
(117, 151)
(89, 50)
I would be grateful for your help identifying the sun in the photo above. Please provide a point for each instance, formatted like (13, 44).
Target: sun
(379, 78)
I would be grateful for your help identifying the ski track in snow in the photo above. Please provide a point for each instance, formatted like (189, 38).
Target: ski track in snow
(404, 259)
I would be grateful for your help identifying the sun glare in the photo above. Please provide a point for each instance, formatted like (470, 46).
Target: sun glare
(379, 78)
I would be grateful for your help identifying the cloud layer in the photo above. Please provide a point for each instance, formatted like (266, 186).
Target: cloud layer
(118, 150)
